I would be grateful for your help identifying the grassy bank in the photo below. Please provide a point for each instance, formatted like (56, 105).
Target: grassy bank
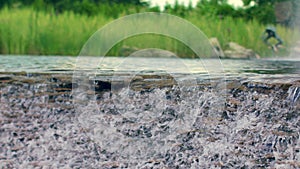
(25, 31)
(28, 32)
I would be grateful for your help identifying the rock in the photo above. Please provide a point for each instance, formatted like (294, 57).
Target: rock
(236, 51)
(102, 85)
(217, 50)
(152, 52)
(5, 77)
(5, 80)
(127, 50)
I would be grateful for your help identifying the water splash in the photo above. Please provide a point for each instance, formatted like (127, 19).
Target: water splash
(293, 94)
(147, 129)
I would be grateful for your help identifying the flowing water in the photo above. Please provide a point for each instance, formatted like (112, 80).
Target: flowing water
(149, 113)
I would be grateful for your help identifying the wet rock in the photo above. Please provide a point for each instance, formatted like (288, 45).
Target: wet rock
(151, 82)
(235, 51)
(218, 51)
(101, 86)
(259, 87)
(53, 79)
(153, 53)
(127, 50)
(4, 78)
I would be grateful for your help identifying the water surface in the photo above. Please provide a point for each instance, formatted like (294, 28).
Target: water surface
(278, 67)
(46, 120)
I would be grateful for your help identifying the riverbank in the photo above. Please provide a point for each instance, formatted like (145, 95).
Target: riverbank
(26, 31)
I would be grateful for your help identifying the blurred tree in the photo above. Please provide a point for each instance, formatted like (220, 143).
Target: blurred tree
(265, 10)
(261, 10)
(7, 2)
(219, 8)
(61, 5)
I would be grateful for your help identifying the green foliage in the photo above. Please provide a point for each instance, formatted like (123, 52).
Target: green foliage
(264, 16)
(263, 2)
(177, 9)
(62, 26)
(262, 10)
(26, 31)
(87, 7)
(218, 8)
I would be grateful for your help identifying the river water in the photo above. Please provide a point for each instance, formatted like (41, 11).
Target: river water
(57, 64)
(149, 112)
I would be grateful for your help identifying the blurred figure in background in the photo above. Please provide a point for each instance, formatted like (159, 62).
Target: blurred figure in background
(270, 32)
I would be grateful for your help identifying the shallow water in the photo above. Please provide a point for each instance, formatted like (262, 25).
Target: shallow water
(180, 118)
(65, 63)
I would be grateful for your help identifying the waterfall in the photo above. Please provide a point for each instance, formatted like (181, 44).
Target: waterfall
(294, 94)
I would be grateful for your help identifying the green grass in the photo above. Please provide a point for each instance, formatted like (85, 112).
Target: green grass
(25, 31)
(28, 32)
